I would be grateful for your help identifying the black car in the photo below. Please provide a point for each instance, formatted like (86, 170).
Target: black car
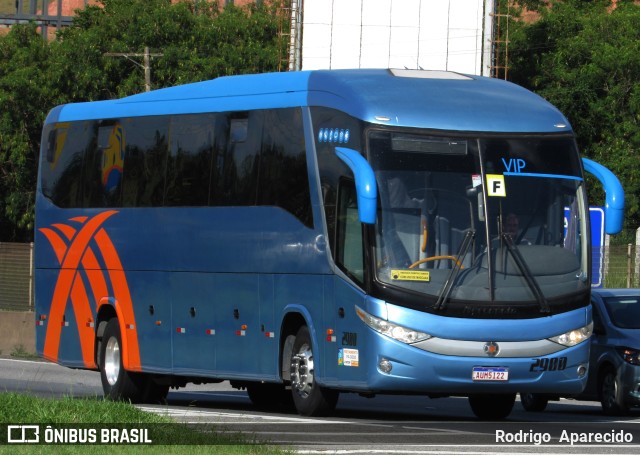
(614, 363)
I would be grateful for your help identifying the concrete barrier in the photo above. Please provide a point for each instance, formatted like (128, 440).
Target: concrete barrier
(17, 331)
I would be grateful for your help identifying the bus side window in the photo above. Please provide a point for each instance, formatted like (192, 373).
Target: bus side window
(92, 189)
(237, 172)
(349, 250)
(145, 161)
(189, 161)
(62, 170)
(283, 180)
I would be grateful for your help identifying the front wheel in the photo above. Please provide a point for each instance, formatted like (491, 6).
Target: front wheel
(533, 402)
(611, 396)
(492, 406)
(309, 398)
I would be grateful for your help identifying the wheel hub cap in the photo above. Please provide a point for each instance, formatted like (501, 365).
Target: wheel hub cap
(302, 371)
(112, 361)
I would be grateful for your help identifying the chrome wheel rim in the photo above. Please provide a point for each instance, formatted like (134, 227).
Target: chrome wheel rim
(112, 361)
(302, 371)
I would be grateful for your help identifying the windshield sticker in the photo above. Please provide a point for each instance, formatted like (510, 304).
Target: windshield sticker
(476, 180)
(410, 275)
(515, 165)
(348, 357)
(495, 185)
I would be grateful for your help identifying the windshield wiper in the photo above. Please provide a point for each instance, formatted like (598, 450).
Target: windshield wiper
(457, 266)
(526, 272)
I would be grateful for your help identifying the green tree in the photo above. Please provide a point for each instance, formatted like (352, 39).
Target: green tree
(24, 90)
(197, 41)
(584, 57)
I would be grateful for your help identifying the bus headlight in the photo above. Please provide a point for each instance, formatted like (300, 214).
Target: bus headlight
(395, 331)
(574, 337)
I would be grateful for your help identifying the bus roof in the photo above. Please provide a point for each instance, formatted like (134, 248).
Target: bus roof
(427, 99)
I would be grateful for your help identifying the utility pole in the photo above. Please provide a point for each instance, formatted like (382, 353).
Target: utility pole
(146, 59)
(501, 40)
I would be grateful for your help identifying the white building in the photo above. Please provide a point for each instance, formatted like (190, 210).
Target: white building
(454, 35)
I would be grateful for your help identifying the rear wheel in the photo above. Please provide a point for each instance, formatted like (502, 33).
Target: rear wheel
(309, 398)
(611, 397)
(533, 402)
(118, 383)
(492, 406)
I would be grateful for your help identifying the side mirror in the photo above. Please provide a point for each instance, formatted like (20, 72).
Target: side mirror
(614, 199)
(366, 186)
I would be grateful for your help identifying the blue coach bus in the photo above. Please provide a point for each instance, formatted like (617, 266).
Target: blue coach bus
(309, 233)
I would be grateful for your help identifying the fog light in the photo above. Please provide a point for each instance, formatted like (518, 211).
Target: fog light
(582, 370)
(385, 366)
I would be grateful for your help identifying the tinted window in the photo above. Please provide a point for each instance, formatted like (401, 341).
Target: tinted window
(283, 177)
(236, 166)
(349, 246)
(218, 159)
(145, 161)
(64, 146)
(624, 311)
(330, 167)
(189, 161)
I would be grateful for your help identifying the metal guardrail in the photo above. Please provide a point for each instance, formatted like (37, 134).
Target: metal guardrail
(16, 276)
(17, 289)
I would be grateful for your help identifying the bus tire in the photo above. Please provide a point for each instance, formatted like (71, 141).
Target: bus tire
(309, 398)
(117, 383)
(611, 398)
(533, 402)
(492, 406)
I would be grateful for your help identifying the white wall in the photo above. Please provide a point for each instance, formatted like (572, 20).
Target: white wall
(449, 35)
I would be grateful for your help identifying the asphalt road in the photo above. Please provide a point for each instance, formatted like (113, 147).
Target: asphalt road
(385, 424)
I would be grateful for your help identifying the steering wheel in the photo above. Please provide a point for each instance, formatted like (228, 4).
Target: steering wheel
(436, 258)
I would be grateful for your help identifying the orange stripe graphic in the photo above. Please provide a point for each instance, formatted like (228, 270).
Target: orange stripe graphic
(131, 359)
(70, 285)
(58, 245)
(83, 314)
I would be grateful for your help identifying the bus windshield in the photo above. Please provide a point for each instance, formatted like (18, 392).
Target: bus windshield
(481, 219)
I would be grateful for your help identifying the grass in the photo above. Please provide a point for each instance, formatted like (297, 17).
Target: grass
(71, 413)
(20, 352)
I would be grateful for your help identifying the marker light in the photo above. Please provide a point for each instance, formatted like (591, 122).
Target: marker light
(395, 331)
(574, 337)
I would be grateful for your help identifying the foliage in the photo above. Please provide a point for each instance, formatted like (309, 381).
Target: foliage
(24, 90)
(584, 57)
(196, 40)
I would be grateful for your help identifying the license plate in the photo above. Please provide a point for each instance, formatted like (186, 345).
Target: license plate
(490, 374)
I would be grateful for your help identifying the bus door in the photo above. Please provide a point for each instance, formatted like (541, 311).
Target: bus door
(349, 256)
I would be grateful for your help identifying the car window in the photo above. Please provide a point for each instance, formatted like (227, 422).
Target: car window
(624, 311)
